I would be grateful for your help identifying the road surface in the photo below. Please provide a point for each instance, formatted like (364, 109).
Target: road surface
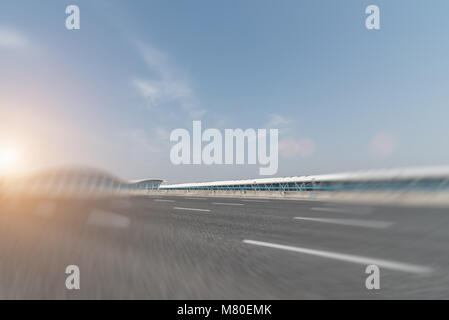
(162, 247)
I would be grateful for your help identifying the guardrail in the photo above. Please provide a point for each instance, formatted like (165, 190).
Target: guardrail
(406, 179)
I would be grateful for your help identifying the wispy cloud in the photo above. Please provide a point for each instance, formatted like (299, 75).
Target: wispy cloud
(383, 145)
(165, 86)
(290, 147)
(12, 39)
(278, 121)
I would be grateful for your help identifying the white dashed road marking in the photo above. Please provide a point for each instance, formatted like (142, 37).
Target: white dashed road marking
(350, 222)
(227, 204)
(343, 210)
(191, 209)
(392, 265)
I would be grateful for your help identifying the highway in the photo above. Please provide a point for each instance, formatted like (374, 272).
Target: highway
(175, 247)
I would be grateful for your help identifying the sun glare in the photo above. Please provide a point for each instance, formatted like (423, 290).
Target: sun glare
(9, 160)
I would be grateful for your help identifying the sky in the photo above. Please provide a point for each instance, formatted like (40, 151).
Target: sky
(108, 95)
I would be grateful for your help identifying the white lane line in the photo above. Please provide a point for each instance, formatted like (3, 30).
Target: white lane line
(163, 200)
(351, 222)
(189, 198)
(227, 204)
(107, 219)
(342, 210)
(191, 209)
(392, 265)
(255, 201)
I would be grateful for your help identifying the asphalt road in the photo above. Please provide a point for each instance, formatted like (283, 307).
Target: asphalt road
(155, 247)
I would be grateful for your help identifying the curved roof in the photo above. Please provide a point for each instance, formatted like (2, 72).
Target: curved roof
(366, 175)
(145, 181)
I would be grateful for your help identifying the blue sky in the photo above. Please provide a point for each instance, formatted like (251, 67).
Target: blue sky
(109, 94)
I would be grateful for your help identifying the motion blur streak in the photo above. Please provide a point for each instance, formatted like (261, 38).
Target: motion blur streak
(129, 246)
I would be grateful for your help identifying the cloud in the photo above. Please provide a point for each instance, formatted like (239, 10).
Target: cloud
(287, 126)
(290, 147)
(277, 121)
(165, 86)
(383, 145)
(157, 93)
(11, 39)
